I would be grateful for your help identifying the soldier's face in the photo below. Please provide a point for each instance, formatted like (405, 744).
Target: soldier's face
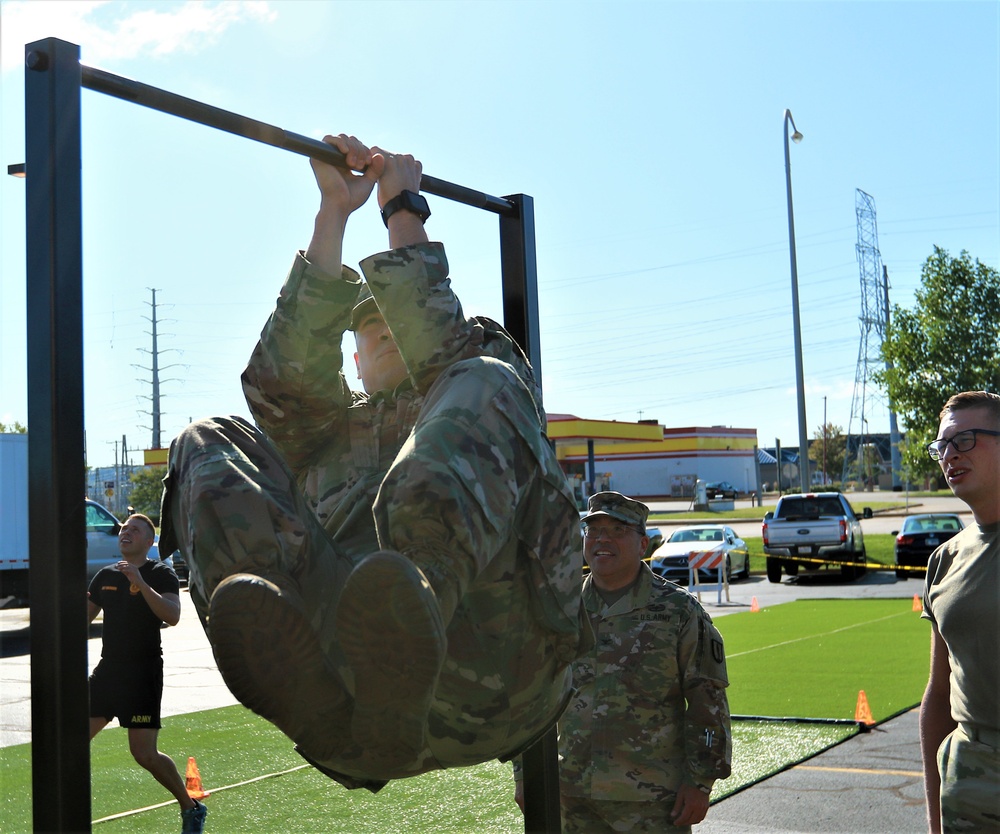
(614, 552)
(135, 538)
(380, 367)
(973, 475)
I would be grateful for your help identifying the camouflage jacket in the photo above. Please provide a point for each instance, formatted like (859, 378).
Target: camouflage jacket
(651, 709)
(339, 443)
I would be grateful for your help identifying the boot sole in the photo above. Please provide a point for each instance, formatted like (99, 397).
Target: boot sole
(390, 629)
(272, 661)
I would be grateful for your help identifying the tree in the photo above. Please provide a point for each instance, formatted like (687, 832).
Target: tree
(918, 468)
(13, 428)
(147, 489)
(836, 447)
(949, 342)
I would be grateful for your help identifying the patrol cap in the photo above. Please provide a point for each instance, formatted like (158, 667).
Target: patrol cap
(365, 301)
(619, 507)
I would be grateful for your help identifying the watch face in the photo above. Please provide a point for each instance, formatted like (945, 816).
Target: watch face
(406, 201)
(416, 204)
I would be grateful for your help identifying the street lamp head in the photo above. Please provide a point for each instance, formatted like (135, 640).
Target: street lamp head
(796, 136)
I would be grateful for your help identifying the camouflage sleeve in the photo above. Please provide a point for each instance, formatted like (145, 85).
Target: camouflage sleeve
(707, 727)
(414, 294)
(294, 383)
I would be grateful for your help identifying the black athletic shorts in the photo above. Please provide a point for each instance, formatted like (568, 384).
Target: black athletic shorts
(130, 692)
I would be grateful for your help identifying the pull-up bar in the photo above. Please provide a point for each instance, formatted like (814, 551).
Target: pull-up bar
(196, 111)
(57, 538)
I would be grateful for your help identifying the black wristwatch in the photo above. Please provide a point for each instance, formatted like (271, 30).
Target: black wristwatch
(406, 201)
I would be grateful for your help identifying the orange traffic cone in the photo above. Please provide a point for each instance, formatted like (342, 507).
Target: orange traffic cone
(193, 780)
(862, 712)
(917, 603)
(754, 607)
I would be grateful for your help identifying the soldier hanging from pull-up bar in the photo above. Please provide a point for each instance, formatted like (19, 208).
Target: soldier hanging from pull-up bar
(391, 577)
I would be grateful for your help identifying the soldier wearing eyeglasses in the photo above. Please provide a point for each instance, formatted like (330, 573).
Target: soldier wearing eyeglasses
(960, 711)
(647, 732)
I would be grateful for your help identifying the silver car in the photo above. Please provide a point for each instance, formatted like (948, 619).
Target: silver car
(670, 560)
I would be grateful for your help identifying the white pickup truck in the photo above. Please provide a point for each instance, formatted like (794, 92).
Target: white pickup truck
(814, 527)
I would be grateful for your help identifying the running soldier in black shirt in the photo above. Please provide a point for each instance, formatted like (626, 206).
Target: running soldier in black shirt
(137, 594)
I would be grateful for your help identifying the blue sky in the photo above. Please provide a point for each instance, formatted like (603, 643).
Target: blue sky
(648, 133)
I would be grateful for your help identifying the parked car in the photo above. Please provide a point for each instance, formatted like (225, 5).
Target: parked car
(102, 538)
(655, 536)
(671, 559)
(179, 565)
(721, 489)
(920, 536)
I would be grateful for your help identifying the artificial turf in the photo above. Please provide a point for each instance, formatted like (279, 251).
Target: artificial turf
(810, 658)
(806, 659)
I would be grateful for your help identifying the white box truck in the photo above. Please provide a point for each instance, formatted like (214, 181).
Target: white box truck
(13, 516)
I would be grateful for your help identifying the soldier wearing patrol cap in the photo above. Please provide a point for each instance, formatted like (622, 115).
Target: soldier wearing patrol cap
(390, 576)
(647, 732)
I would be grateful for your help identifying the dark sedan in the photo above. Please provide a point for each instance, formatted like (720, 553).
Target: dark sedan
(920, 536)
(721, 489)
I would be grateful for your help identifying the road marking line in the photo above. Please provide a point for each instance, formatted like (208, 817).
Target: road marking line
(814, 636)
(135, 811)
(861, 770)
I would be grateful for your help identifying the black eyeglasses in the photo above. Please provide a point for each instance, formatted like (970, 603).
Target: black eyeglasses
(612, 531)
(963, 441)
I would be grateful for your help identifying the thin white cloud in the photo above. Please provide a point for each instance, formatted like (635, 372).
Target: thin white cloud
(111, 31)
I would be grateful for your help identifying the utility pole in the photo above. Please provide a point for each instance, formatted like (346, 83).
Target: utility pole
(824, 441)
(894, 455)
(156, 411)
(156, 382)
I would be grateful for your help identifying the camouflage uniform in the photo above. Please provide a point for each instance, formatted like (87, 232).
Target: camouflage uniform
(962, 597)
(452, 466)
(650, 712)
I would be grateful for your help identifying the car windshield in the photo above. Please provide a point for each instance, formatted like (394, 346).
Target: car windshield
(696, 536)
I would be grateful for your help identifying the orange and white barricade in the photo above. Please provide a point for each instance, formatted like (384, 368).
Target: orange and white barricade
(708, 560)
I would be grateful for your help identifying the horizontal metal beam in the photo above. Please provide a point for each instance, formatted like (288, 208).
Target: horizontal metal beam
(197, 111)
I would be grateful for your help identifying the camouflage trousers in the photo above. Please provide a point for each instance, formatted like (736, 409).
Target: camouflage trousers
(583, 815)
(232, 505)
(970, 783)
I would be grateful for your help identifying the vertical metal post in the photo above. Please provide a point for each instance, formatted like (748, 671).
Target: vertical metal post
(777, 454)
(57, 537)
(520, 279)
(520, 310)
(541, 786)
(800, 385)
(895, 455)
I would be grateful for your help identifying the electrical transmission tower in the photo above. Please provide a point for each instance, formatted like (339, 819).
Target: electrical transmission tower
(874, 320)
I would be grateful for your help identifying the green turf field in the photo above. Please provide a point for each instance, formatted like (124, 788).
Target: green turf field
(803, 659)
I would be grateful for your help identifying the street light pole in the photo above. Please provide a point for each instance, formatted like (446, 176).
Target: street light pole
(796, 324)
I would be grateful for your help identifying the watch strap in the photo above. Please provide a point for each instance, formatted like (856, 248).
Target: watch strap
(406, 201)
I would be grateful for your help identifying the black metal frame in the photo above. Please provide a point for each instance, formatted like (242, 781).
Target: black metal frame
(59, 696)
